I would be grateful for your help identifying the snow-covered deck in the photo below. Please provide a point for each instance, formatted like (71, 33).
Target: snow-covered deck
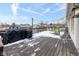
(43, 44)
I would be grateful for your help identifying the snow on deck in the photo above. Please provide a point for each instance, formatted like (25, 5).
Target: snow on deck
(32, 44)
(17, 42)
(46, 34)
(61, 33)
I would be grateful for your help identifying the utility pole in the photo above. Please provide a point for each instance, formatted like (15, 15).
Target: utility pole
(32, 26)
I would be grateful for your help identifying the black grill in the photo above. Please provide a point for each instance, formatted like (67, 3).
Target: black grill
(11, 36)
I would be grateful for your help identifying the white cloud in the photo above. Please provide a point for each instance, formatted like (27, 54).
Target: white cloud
(31, 11)
(62, 7)
(10, 19)
(14, 7)
(46, 10)
(58, 10)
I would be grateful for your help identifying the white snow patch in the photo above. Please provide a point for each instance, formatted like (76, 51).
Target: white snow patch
(17, 42)
(10, 44)
(36, 43)
(37, 49)
(56, 43)
(61, 33)
(21, 46)
(46, 34)
(32, 44)
(27, 40)
(13, 47)
(23, 50)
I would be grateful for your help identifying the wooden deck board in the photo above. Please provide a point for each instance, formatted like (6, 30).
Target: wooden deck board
(48, 47)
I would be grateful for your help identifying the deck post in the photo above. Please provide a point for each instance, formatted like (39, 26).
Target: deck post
(76, 32)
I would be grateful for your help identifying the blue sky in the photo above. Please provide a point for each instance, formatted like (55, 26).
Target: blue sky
(22, 13)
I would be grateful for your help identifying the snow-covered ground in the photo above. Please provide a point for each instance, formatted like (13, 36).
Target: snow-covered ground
(37, 35)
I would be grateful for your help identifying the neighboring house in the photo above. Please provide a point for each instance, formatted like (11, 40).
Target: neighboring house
(25, 26)
(73, 22)
(4, 27)
(44, 27)
(20, 26)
